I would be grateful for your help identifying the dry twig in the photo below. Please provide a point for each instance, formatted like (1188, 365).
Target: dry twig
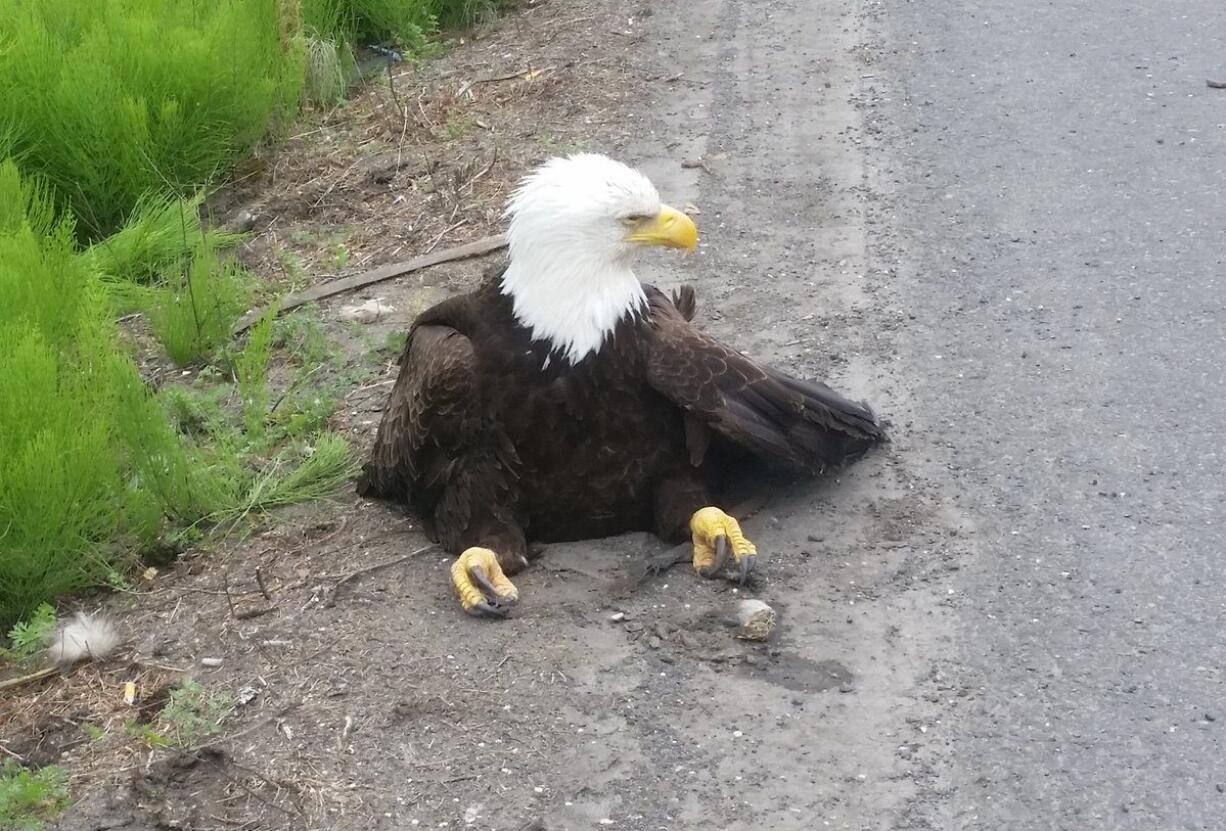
(378, 275)
(27, 679)
(331, 601)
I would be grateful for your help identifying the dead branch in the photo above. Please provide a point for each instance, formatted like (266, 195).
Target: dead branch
(331, 601)
(259, 579)
(378, 275)
(259, 611)
(27, 679)
(16, 756)
(528, 74)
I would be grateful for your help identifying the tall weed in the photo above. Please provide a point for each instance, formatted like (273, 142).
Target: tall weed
(251, 370)
(29, 797)
(110, 100)
(161, 232)
(64, 495)
(194, 311)
(408, 22)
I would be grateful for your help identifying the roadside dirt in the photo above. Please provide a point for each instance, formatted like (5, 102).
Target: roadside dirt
(368, 700)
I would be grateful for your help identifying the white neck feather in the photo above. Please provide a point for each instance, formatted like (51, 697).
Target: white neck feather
(574, 303)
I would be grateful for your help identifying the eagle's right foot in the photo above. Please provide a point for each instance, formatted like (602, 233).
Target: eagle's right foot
(717, 540)
(482, 587)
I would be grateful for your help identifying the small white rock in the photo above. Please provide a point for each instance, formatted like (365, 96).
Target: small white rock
(367, 312)
(748, 608)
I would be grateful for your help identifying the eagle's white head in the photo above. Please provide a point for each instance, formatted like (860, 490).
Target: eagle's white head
(576, 225)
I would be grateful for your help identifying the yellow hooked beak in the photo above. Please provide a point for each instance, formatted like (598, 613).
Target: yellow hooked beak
(669, 227)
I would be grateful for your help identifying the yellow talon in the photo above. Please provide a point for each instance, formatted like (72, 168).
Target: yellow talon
(715, 535)
(480, 584)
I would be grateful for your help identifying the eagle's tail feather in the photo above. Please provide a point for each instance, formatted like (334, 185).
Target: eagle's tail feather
(804, 423)
(825, 406)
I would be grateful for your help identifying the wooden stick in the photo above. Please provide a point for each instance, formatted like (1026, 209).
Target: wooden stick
(27, 679)
(331, 600)
(16, 756)
(378, 275)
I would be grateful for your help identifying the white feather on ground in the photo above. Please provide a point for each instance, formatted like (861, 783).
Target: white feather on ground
(84, 637)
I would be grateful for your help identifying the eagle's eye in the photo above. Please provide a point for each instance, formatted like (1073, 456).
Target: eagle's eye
(634, 219)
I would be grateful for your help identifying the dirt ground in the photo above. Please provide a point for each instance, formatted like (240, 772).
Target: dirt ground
(362, 698)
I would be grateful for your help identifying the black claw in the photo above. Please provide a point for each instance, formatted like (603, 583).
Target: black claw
(484, 609)
(747, 565)
(500, 603)
(487, 588)
(721, 554)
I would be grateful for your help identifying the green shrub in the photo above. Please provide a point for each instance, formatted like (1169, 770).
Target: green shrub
(194, 311)
(457, 14)
(161, 233)
(28, 798)
(27, 637)
(329, 67)
(251, 370)
(369, 21)
(62, 488)
(110, 100)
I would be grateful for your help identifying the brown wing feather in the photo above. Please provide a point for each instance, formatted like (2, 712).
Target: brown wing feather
(685, 301)
(433, 404)
(801, 423)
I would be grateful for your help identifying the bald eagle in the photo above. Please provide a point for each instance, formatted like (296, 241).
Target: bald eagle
(563, 399)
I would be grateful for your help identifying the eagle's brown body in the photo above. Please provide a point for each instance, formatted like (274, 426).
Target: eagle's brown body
(494, 441)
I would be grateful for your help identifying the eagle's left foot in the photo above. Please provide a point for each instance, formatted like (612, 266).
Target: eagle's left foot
(483, 588)
(716, 536)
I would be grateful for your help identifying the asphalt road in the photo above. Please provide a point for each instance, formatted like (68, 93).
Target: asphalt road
(1012, 215)
(1062, 195)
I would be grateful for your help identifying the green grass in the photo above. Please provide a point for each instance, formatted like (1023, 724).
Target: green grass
(251, 370)
(362, 22)
(111, 100)
(63, 478)
(303, 339)
(459, 14)
(93, 467)
(457, 126)
(194, 310)
(161, 233)
(406, 22)
(28, 637)
(193, 714)
(335, 29)
(114, 117)
(301, 474)
(28, 798)
(330, 64)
